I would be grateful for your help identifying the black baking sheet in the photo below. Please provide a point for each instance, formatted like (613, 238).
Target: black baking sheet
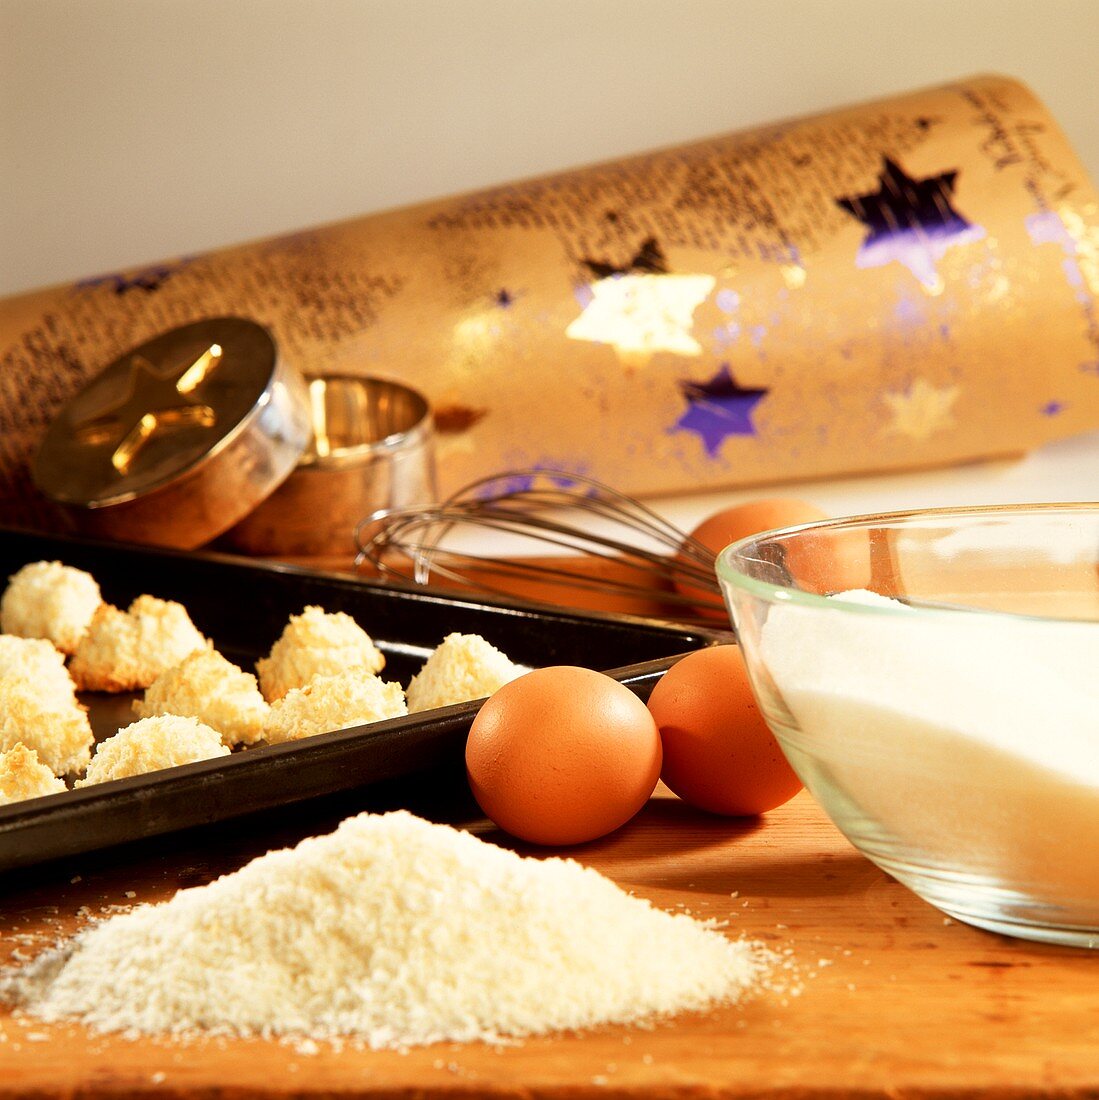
(243, 606)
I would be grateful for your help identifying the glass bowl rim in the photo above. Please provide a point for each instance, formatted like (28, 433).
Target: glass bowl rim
(784, 593)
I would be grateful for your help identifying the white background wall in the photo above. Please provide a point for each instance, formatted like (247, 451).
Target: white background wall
(132, 130)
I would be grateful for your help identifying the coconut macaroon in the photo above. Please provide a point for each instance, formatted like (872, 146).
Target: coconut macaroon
(37, 661)
(463, 667)
(128, 650)
(56, 728)
(151, 744)
(316, 643)
(49, 600)
(212, 689)
(332, 703)
(23, 776)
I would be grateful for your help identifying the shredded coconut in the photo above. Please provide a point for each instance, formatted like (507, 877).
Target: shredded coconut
(55, 727)
(46, 599)
(212, 689)
(128, 650)
(393, 932)
(461, 667)
(23, 775)
(149, 744)
(332, 703)
(316, 643)
(38, 662)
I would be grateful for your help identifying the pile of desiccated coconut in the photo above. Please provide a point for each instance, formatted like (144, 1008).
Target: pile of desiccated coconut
(393, 932)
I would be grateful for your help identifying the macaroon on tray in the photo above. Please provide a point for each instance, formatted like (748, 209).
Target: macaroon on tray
(268, 652)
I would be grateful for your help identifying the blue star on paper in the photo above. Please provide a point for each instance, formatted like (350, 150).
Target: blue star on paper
(718, 409)
(910, 222)
(149, 279)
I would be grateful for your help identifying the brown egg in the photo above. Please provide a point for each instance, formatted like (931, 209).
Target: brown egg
(719, 754)
(831, 560)
(562, 755)
(731, 524)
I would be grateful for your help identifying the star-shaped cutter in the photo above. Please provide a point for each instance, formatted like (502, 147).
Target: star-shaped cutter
(155, 401)
(185, 482)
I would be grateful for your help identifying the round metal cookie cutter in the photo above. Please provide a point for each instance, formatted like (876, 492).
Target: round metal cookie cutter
(372, 448)
(179, 438)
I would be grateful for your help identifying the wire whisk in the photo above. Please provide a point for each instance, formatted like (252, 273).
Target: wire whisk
(571, 535)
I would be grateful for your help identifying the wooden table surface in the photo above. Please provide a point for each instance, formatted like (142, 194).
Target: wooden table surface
(885, 996)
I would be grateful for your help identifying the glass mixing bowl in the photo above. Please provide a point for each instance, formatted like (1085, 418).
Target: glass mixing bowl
(933, 677)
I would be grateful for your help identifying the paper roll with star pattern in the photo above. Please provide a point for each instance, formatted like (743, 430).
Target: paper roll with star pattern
(902, 284)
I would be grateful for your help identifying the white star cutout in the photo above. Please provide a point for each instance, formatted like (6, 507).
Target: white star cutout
(643, 314)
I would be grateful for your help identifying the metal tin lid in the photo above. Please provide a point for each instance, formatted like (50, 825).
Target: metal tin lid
(178, 438)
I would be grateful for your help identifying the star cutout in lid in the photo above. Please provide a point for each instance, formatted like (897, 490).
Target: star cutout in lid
(154, 401)
(178, 438)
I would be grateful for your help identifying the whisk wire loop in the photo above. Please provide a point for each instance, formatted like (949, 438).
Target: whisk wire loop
(553, 511)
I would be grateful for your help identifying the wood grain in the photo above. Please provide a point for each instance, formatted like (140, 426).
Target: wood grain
(886, 997)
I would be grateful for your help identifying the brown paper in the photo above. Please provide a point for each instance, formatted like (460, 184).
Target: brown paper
(901, 284)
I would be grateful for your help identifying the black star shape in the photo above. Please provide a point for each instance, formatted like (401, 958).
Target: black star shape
(648, 260)
(149, 279)
(909, 220)
(901, 202)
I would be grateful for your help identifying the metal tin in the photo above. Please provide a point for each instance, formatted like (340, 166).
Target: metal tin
(372, 447)
(178, 438)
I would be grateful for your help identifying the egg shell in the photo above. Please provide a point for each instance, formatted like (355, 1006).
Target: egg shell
(719, 754)
(719, 530)
(562, 755)
(832, 560)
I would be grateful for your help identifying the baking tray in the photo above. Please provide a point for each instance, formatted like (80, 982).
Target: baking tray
(243, 606)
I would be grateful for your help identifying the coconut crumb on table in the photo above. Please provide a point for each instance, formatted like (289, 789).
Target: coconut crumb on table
(390, 932)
